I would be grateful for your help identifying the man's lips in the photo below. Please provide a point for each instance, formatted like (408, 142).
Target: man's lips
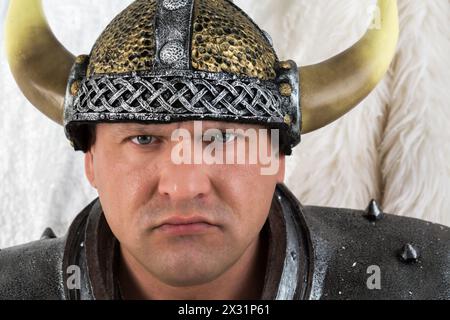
(185, 225)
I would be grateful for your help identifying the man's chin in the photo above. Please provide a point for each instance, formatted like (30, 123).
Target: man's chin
(194, 270)
(204, 247)
(183, 279)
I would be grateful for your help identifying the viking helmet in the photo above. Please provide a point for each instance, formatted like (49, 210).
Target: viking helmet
(162, 61)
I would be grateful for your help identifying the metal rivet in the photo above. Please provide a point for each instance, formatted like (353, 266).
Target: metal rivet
(48, 234)
(409, 253)
(286, 65)
(172, 52)
(287, 119)
(102, 116)
(293, 255)
(174, 4)
(74, 87)
(285, 89)
(81, 59)
(374, 211)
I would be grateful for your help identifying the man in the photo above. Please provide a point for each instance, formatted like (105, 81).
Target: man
(157, 107)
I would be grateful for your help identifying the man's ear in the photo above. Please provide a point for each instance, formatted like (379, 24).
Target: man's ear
(89, 168)
(281, 167)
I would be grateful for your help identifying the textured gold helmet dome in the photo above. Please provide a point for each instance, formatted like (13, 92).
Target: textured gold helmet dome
(224, 39)
(204, 56)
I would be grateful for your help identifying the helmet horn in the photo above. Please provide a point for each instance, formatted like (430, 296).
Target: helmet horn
(38, 61)
(332, 88)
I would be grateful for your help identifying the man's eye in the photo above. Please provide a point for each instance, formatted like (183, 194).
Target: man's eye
(143, 140)
(224, 137)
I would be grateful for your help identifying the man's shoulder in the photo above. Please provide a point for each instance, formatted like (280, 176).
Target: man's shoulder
(32, 270)
(35, 270)
(411, 256)
(351, 222)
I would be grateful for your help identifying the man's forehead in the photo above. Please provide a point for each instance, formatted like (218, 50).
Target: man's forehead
(170, 127)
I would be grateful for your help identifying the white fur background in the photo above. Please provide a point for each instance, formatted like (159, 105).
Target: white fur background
(394, 147)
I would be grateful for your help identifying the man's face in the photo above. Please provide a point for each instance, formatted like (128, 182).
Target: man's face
(186, 224)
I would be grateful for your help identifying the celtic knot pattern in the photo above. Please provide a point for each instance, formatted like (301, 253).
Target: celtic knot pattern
(175, 95)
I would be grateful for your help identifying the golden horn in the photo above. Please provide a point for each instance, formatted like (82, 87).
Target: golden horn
(332, 88)
(38, 61)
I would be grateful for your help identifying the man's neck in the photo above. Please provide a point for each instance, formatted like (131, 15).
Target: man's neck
(243, 281)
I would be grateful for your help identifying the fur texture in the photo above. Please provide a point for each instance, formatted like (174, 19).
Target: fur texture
(393, 147)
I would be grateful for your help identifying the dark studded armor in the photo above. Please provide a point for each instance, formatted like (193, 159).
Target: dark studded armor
(314, 253)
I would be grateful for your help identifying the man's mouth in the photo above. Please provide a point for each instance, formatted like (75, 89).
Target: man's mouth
(185, 225)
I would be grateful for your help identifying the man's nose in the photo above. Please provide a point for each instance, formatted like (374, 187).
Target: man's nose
(184, 182)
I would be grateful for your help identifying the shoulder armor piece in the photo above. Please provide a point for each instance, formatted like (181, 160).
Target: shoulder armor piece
(32, 271)
(410, 257)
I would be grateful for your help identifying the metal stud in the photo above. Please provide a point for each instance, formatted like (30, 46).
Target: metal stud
(172, 52)
(75, 87)
(374, 211)
(293, 255)
(174, 4)
(285, 89)
(81, 59)
(287, 119)
(409, 253)
(285, 65)
(48, 234)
